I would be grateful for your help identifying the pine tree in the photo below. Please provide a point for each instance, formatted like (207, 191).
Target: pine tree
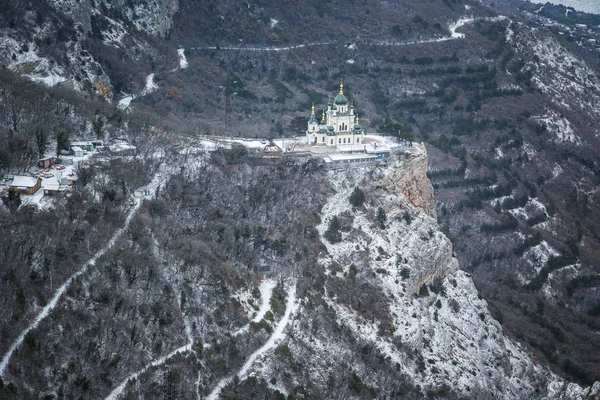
(333, 234)
(381, 217)
(12, 200)
(357, 198)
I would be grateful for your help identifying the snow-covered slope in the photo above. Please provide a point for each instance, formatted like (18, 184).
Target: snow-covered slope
(567, 80)
(154, 17)
(430, 326)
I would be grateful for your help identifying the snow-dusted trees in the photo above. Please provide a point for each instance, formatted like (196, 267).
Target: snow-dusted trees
(357, 198)
(333, 234)
(381, 217)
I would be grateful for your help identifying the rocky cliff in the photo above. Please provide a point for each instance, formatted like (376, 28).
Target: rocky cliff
(246, 277)
(430, 322)
(154, 17)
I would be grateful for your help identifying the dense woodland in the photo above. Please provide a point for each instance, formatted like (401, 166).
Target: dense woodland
(477, 104)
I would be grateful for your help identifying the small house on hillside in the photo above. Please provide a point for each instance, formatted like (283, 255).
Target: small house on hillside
(272, 150)
(142, 192)
(67, 180)
(84, 145)
(52, 189)
(46, 162)
(26, 184)
(76, 151)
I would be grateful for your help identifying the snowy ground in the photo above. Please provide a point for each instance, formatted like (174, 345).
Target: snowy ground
(43, 202)
(150, 87)
(266, 290)
(183, 63)
(453, 27)
(276, 337)
(35, 67)
(294, 144)
(90, 263)
(559, 126)
(452, 330)
(114, 395)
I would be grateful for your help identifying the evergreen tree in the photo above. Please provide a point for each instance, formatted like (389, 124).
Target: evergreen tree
(333, 234)
(381, 217)
(62, 141)
(12, 201)
(357, 198)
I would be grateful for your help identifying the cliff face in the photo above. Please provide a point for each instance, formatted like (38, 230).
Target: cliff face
(154, 17)
(430, 321)
(237, 268)
(410, 178)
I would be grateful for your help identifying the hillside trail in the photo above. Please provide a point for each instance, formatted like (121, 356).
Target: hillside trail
(183, 62)
(266, 291)
(453, 27)
(276, 337)
(90, 263)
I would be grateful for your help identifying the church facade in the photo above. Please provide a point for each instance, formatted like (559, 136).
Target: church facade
(338, 125)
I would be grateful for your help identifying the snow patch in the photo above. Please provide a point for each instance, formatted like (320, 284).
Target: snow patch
(537, 257)
(557, 170)
(58, 294)
(560, 126)
(276, 337)
(183, 63)
(124, 102)
(266, 290)
(557, 72)
(37, 68)
(151, 86)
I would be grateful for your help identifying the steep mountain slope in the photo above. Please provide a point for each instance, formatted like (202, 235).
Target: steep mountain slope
(507, 105)
(382, 294)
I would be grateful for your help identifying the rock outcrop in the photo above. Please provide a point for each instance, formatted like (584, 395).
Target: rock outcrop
(409, 175)
(154, 17)
(428, 321)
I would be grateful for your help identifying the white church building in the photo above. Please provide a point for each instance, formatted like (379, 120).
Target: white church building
(338, 125)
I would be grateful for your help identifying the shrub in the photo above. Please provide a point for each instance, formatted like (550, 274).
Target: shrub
(284, 350)
(407, 218)
(357, 198)
(454, 305)
(405, 273)
(333, 234)
(381, 218)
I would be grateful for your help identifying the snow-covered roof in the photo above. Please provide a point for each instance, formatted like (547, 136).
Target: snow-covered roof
(76, 148)
(350, 148)
(53, 186)
(24, 181)
(121, 146)
(378, 149)
(272, 148)
(81, 143)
